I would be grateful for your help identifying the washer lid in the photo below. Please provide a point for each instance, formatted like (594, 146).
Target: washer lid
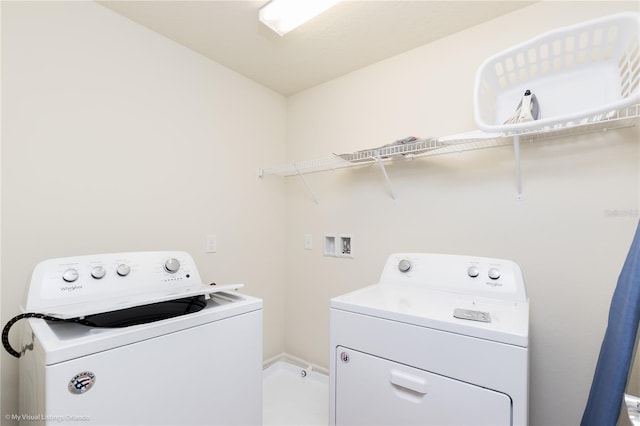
(508, 320)
(92, 307)
(62, 341)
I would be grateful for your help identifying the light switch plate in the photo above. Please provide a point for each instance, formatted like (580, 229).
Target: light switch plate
(212, 244)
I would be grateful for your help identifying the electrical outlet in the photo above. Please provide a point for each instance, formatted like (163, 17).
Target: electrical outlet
(211, 244)
(308, 242)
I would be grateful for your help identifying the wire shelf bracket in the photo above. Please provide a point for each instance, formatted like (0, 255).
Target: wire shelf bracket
(306, 185)
(386, 176)
(516, 152)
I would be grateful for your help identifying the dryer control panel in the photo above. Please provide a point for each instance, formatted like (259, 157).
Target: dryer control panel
(480, 276)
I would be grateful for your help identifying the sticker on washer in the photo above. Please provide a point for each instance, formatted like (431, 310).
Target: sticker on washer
(468, 314)
(81, 382)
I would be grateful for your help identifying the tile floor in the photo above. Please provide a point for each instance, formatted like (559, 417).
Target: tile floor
(291, 397)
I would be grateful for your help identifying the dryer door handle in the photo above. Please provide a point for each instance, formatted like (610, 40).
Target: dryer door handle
(408, 381)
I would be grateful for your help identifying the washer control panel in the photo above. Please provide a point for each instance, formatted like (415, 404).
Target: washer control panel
(496, 278)
(79, 279)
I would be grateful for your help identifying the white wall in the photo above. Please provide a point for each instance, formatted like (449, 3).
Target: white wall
(117, 139)
(114, 138)
(562, 234)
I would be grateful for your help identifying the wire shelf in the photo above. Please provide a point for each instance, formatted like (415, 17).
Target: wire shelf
(625, 117)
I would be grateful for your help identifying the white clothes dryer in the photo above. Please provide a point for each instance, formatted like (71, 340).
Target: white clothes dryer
(143, 342)
(440, 340)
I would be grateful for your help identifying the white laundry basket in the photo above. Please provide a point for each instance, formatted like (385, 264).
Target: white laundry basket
(578, 74)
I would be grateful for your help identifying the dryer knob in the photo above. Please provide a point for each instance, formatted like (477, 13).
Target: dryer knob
(70, 275)
(494, 273)
(123, 270)
(473, 271)
(98, 272)
(404, 265)
(172, 265)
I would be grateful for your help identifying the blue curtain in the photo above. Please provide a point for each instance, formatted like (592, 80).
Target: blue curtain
(616, 353)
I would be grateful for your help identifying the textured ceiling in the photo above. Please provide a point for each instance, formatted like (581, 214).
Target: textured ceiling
(347, 37)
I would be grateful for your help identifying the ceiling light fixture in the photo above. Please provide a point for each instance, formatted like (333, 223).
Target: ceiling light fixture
(283, 16)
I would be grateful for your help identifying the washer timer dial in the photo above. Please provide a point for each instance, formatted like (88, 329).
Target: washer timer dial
(172, 265)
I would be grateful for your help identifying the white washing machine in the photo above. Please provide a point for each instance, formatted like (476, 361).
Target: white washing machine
(146, 344)
(440, 340)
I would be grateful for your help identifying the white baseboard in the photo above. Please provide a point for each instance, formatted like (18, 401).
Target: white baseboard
(296, 361)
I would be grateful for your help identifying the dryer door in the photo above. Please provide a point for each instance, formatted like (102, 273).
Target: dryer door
(372, 390)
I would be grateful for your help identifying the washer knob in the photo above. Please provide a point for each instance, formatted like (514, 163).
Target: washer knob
(70, 275)
(404, 265)
(98, 272)
(473, 271)
(172, 265)
(123, 270)
(494, 273)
